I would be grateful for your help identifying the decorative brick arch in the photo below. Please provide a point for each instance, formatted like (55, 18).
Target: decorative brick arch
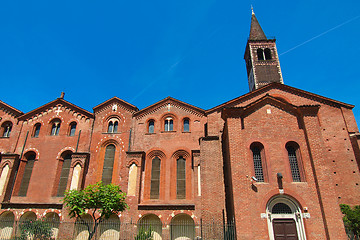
(155, 153)
(175, 213)
(181, 153)
(31, 150)
(133, 161)
(65, 149)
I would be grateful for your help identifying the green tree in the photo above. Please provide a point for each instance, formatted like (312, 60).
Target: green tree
(97, 198)
(351, 220)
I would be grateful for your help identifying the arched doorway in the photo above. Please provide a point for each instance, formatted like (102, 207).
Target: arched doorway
(81, 230)
(285, 219)
(53, 220)
(110, 228)
(182, 227)
(153, 222)
(6, 225)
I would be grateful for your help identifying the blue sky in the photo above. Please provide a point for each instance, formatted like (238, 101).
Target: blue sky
(192, 50)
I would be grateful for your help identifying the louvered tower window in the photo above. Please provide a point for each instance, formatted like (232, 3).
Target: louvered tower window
(258, 164)
(108, 164)
(180, 178)
(267, 53)
(27, 174)
(294, 166)
(260, 54)
(155, 178)
(65, 170)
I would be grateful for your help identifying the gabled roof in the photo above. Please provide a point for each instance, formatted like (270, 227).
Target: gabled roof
(10, 109)
(151, 108)
(285, 88)
(54, 103)
(126, 105)
(268, 99)
(256, 32)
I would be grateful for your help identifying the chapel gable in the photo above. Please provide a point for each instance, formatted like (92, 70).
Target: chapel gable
(55, 114)
(170, 115)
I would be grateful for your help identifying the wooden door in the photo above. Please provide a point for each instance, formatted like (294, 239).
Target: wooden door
(285, 229)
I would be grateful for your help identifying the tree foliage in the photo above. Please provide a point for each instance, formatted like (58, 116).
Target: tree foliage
(100, 201)
(351, 219)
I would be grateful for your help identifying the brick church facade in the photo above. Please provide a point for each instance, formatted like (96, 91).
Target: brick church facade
(277, 161)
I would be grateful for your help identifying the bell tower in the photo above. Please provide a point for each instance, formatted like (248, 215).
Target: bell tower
(261, 57)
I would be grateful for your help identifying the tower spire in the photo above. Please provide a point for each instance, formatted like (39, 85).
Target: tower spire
(256, 32)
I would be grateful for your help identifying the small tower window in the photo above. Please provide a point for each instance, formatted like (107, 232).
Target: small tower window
(186, 125)
(169, 125)
(72, 129)
(267, 52)
(260, 54)
(37, 130)
(6, 129)
(55, 127)
(151, 126)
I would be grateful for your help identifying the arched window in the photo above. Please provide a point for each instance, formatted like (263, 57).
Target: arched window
(37, 130)
(55, 127)
(64, 175)
(267, 53)
(30, 157)
(113, 125)
(3, 177)
(6, 129)
(151, 127)
(186, 127)
(155, 178)
(292, 150)
(72, 129)
(169, 125)
(108, 164)
(260, 54)
(116, 124)
(110, 127)
(180, 178)
(258, 163)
